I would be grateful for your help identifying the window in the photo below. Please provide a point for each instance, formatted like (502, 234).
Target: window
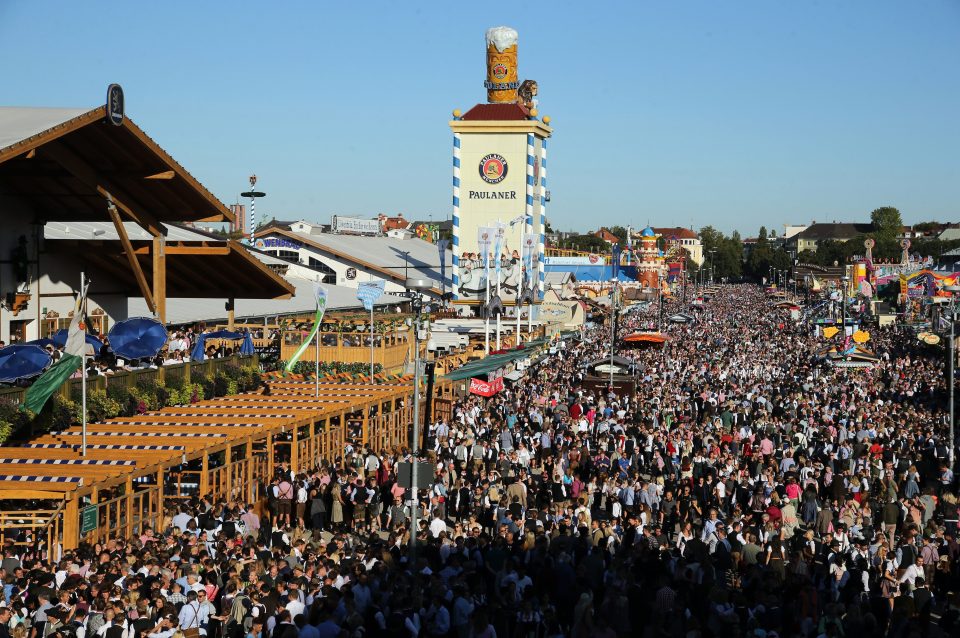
(289, 255)
(329, 274)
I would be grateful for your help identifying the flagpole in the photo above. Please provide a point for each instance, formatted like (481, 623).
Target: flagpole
(486, 328)
(371, 342)
(516, 299)
(83, 372)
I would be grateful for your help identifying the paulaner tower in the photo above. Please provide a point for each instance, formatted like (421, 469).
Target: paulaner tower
(500, 186)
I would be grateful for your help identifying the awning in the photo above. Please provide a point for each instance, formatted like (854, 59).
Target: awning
(646, 337)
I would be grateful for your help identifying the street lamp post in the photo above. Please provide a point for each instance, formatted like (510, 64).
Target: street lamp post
(711, 265)
(613, 325)
(843, 305)
(415, 289)
(953, 290)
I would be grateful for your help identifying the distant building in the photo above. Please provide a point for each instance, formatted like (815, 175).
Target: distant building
(349, 259)
(684, 238)
(606, 236)
(789, 230)
(817, 233)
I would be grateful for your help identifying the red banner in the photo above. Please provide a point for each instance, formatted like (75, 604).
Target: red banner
(486, 388)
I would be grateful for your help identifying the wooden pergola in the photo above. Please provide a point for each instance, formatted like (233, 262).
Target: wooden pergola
(225, 448)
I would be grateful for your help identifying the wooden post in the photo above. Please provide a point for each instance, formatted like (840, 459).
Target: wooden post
(128, 503)
(71, 524)
(250, 493)
(228, 491)
(270, 460)
(294, 451)
(365, 436)
(230, 313)
(205, 474)
(160, 505)
(160, 276)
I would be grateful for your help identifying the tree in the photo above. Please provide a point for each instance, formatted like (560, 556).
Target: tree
(887, 223)
(620, 232)
(761, 257)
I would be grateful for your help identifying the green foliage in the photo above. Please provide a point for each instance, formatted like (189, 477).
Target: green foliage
(65, 413)
(6, 429)
(620, 232)
(887, 223)
(100, 406)
(12, 419)
(585, 243)
(727, 258)
(326, 367)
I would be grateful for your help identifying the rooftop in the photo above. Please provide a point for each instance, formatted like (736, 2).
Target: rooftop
(393, 258)
(496, 112)
(835, 230)
(67, 161)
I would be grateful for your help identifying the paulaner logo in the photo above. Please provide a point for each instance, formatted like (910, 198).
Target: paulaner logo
(493, 168)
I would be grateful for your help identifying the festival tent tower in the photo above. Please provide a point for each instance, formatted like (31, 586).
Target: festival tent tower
(650, 261)
(500, 187)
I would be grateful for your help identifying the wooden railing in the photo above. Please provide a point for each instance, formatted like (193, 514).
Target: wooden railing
(390, 350)
(39, 530)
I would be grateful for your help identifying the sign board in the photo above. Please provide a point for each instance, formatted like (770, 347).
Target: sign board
(493, 190)
(424, 475)
(351, 273)
(115, 104)
(341, 224)
(89, 519)
(277, 242)
(486, 388)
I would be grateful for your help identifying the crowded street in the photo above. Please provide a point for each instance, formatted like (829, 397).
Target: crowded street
(745, 489)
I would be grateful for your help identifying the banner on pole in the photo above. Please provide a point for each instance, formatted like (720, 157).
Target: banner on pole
(321, 294)
(369, 291)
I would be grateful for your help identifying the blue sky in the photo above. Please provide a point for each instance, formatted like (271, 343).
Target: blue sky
(735, 113)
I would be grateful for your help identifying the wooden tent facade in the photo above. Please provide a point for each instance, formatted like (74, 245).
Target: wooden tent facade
(224, 448)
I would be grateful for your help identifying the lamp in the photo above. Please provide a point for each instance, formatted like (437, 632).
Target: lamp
(953, 290)
(415, 288)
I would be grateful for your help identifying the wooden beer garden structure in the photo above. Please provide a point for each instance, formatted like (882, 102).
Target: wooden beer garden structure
(223, 448)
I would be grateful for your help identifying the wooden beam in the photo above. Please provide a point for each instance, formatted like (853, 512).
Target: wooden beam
(163, 175)
(89, 176)
(179, 249)
(230, 312)
(160, 277)
(132, 258)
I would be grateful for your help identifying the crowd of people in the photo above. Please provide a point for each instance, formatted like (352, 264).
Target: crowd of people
(743, 488)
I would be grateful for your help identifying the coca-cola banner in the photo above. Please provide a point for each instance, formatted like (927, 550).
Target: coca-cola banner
(486, 388)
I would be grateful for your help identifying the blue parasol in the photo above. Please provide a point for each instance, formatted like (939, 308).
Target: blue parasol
(60, 339)
(22, 362)
(246, 348)
(199, 348)
(138, 338)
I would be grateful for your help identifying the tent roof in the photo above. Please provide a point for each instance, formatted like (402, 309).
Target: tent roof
(646, 337)
(63, 162)
(383, 255)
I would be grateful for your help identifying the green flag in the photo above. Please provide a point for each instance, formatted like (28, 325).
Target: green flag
(321, 308)
(72, 359)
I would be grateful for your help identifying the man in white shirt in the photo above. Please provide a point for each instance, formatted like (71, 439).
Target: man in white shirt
(437, 525)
